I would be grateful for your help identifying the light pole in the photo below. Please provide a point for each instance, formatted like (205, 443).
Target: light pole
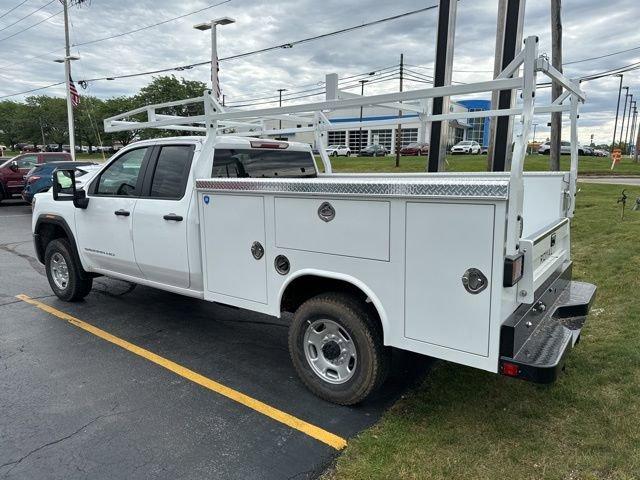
(280, 90)
(533, 142)
(626, 136)
(362, 82)
(67, 74)
(615, 125)
(624, 114)
(215, 84)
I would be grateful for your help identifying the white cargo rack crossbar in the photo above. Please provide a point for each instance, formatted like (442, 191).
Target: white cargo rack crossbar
(217, 120)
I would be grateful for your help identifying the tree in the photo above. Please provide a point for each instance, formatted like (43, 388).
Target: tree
(114, 106)
(89, 128)
(48, 119)
(13, 117)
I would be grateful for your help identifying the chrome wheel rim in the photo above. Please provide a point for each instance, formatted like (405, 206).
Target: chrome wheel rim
(330, 351)
(59, 271)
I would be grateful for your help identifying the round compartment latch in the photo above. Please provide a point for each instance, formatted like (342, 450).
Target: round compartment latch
(326, 212)
(281, 263)
(474, 281)
(257, 250)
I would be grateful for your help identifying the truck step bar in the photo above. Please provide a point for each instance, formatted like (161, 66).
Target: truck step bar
(535, 340)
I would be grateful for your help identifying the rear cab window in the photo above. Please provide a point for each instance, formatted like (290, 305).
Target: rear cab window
(262, 163)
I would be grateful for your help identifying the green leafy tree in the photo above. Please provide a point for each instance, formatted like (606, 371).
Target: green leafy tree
(13, 118)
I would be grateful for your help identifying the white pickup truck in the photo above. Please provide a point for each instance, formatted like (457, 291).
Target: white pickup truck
(472, 268)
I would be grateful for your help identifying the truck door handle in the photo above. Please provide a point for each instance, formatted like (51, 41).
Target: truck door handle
(122, 213)
(174, 217)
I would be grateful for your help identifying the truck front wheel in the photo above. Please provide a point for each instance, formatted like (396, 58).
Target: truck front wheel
(337, 348)
(63, 273)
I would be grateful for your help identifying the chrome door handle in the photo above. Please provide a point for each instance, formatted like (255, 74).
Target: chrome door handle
(122, 213)
(174, 217)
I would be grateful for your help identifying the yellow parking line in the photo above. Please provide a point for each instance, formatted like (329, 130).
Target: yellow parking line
(315, 432)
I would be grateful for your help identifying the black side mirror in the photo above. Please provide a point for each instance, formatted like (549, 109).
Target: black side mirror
(14, 166)
(65, 189)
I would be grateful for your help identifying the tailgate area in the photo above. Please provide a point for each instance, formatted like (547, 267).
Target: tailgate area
(536, 338)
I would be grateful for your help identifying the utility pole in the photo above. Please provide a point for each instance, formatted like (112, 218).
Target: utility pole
(556, 88)
(626, 136)
(508, 45)
(633, 130)
(280, 90)
(635, 153)
(67, 79)
(534, 135)
(399, 130)
(362, 82)
(624, 114)
(442, 76)
(615, 125)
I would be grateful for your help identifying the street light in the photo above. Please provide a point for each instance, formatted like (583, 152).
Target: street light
(362, 82)
(215, 87)
(67, 74)
(624, 114)
(615, 125)
(280, 90)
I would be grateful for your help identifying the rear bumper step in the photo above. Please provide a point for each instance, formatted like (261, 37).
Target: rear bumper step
(535, 340)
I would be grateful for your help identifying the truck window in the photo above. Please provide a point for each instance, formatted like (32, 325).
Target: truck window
(254, 163)
(27, 161)
(121, 177)
(171, 172)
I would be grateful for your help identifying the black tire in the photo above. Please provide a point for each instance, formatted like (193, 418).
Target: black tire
(372, 360)
(334, 154)
(78, 284)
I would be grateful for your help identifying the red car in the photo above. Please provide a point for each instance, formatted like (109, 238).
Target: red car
(13, 170)
(415, 149)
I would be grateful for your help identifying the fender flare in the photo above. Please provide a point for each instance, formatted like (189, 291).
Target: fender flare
(49, 219)
(384, 320)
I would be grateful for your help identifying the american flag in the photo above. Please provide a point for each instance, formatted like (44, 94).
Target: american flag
(75, 96)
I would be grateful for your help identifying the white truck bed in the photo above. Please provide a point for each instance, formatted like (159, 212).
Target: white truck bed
(445, 223)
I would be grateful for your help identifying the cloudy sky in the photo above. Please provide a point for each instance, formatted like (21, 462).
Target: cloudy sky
(591, 28)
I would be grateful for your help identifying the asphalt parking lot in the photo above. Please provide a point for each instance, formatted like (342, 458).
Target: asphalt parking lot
(138, 383)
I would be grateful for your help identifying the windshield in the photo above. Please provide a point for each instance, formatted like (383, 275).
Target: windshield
(464, 143)
(333, 146)
(413, 145)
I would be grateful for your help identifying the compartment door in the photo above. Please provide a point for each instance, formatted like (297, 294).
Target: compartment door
(443, 240)
(232, 223)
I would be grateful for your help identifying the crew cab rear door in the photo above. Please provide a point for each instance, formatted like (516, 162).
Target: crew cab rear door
(160, 218)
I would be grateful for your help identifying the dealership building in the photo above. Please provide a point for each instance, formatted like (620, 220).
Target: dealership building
(356, 138)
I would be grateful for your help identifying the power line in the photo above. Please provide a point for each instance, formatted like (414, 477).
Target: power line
(266, 49)
(34, 57)
(602, 56)
(26, 16)
(30, 27)
(32, 90)
(122, 34)
(12, 9)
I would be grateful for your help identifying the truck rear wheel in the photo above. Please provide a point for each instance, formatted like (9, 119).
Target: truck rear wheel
(63, 273)
(337, 348)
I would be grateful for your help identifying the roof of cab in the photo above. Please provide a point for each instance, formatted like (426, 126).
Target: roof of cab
(227, 141)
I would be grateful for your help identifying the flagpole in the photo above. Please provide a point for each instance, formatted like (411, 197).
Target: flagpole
(67, 74)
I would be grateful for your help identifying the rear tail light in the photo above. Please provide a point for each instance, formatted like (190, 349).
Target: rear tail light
(276, 145)
(513, 269)
(509, 369)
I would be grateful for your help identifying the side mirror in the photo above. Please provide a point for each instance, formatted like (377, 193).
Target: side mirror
(14, 166)
(65, 189)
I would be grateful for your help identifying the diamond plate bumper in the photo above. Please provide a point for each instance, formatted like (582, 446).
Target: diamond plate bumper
(537, 338)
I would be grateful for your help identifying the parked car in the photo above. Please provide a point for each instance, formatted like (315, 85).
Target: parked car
(588, 151)
(39, 178)
(565, 148)
(338, 151)
(373, 151)
(13, 171)
(600, 153)
(485, 149)
(415, 148)
(470, 147)
(30, 149)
